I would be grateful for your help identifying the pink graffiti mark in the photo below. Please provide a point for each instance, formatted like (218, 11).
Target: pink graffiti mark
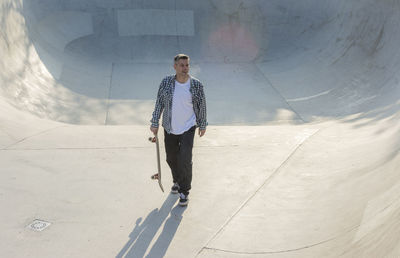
(234, 41)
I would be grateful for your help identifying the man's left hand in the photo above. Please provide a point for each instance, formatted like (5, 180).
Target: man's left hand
(202, 132)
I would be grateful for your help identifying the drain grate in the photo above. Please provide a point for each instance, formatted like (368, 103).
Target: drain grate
(39, 225)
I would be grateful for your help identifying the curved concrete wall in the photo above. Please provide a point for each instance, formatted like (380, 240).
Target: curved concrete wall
(67, 61)
(307, 92)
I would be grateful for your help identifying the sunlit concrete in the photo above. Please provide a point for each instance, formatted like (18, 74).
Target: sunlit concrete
(301, 158)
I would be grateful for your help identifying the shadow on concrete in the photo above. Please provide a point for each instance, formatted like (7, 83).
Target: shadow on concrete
(144, 232)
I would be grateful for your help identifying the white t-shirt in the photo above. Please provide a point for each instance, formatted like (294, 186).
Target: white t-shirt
(183, 117)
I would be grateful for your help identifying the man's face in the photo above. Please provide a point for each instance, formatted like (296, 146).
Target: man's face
(182, 67)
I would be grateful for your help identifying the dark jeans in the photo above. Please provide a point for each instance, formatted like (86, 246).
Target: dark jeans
(179, 157)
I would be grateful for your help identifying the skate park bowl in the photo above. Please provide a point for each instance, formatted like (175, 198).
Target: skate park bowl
(301, 155)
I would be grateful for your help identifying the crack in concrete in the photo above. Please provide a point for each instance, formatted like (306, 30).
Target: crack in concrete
(307, 246)
(280, 95)
(31, 136)
(109, 94)
(266, 182)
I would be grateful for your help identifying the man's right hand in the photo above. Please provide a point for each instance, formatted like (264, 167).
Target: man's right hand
(154, 130)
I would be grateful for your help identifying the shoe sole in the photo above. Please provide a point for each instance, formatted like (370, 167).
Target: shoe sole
(183, 203)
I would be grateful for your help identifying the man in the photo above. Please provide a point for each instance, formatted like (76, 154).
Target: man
(182, 101)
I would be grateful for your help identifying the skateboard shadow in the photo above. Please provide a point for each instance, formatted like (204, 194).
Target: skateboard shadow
(144, 232)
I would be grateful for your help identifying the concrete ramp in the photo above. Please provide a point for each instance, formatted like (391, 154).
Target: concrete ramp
(301, 158)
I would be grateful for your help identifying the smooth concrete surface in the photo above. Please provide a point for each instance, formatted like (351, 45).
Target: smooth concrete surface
(301, 157)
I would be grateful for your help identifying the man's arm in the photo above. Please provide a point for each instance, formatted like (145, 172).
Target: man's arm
(202, 116)
(158, 109)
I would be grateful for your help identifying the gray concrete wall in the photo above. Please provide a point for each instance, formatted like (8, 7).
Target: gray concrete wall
(324, 59)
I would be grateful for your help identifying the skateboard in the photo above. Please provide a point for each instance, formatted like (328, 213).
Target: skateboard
(157, 176)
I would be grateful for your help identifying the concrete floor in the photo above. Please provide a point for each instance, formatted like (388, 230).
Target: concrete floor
(301, 158)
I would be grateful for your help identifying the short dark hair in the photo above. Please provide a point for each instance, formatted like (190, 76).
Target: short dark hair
(181, 56)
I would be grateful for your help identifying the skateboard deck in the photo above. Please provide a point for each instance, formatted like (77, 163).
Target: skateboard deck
(157, 175)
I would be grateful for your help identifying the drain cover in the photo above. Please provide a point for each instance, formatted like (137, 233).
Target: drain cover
(39, 225)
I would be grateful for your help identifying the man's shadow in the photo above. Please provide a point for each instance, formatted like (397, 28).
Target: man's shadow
(143, 233)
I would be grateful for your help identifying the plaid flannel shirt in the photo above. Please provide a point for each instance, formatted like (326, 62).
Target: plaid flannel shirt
(164, 103)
